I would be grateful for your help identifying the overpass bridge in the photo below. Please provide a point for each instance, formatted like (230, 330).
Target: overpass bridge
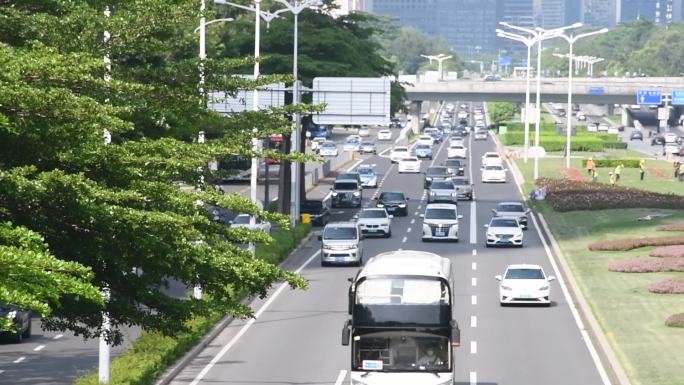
(584, 90)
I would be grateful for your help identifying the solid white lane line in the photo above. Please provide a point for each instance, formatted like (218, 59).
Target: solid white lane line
(249, 323)
(473, 347)
(58, 336)
(2, 371)
(39, 348)
(473, 281)
(473, 300)
(403, 240)
(341, 377)
(474, 252)
(413, 220)
(473, 378)
(18, 360)
(473, 223)
(408, 230)
(474, 265)
(473, 321)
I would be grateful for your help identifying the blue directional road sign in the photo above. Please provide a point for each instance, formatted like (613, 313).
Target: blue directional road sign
(504, 60)
(596, 90)
(678, 97)
(649, 97)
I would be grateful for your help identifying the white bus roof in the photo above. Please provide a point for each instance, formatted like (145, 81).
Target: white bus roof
(407, 262)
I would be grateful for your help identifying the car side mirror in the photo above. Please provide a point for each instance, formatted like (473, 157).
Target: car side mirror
(390, 216)
(498, 277)
(527, 211)
(522, 226)
(505, 169)
(550, 278)
(455, 334)
(320, 237)
(494, 211)
(230, 222)
(376, 198)
(459, 216)
(350, 279)
(486, 226)
(422, 215)
(407, 198)
(346, 333)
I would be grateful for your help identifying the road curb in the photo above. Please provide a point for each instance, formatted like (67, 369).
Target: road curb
(183, 362)
(594, 330)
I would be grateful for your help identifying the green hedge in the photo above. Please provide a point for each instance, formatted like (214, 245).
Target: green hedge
(519, 126)
(615, 145)
(556, 142)
(628, 163)
(152, 353)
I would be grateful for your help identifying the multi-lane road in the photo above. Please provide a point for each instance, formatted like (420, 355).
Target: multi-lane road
(295, 337)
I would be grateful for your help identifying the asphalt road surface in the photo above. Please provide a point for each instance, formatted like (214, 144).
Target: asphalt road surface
(295, 338)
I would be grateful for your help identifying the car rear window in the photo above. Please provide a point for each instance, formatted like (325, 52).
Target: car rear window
(461, 182)
(441, 185)
(510, 208)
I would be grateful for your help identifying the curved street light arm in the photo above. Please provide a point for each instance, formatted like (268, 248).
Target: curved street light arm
(224, 19)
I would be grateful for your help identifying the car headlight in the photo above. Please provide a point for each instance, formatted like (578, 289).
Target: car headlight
(505, 288)
(454, 194)
(517, 236)
(402, 205)
(544, 288)
(333, 194)
(432, 193)
(379, 205)
(12, 314)
(490, 235)
(357, 194)
(428, 178)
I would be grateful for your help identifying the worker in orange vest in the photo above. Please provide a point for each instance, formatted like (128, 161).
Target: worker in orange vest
(590, 166)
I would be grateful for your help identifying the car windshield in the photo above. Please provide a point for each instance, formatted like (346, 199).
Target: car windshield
(401, 351)
(507, 222)
(494, 168)
(241, 220)
(339, 233)
(312, 206)
(460, 182)
(373, 214)
(367, 144)
(328, 145)
(346, 186)
(437, 171)
(510, 208)
(365, 171)
(423, 147)
(440, 214)
(441, 185)
(352, 141)
(524, 274)
(392, 196)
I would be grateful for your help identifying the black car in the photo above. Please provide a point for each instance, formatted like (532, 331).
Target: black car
(317, 210)
(658, 140)
(636, 135)
(348, 175)
(21, 320)
(455, 167)
(395, 124)
(435, 173)
(394, 202)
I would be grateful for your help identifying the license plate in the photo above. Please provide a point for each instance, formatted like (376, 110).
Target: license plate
(372, 230)
(339, 259)
(391, 209)
(525, 295)
(440, 234)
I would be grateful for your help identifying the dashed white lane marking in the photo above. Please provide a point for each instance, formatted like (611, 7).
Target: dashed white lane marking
(18, 360)
(39, 348)
(473, 378)
(2, 371)
(416, 213)
(403, 240)
(58, 336)
(382, 181)
(413, 221)
(473, 265)
(474, 252)
(341, 377)
(249, 323)
(473, 281)
(419, 207)
(473, 300)
(473, 321)
(408, 230)
(473, 347)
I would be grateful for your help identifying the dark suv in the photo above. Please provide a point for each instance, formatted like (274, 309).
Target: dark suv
(394, 202)
(455, 167)
(21, 320)
(435, 173)
(346, 192)
(317, 210)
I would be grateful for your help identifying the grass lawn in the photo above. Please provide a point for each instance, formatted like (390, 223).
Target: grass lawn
(632, 318)
(547, 118)
(616, 119)
(664, 183)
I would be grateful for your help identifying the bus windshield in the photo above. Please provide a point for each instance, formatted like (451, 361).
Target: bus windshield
(402, 291)
(402, 351)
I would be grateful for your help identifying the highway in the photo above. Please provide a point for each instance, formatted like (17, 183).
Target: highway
(295, 338)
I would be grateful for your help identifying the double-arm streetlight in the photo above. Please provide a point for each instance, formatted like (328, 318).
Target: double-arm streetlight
(571, 39)
(534, 36)
(441, 58)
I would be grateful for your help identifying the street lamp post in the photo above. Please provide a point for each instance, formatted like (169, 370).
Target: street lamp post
(539, 34)
(296, 7)
(440, 60)
(571, 41)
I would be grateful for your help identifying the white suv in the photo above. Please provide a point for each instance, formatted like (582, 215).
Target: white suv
(491, 159)
(440, 222)
(398, 153)
(457, 150)
(374, 221)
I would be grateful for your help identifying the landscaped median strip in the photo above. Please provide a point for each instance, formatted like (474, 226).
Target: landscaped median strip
(152, 353)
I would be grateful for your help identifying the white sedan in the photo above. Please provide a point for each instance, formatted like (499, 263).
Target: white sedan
(364, 131)
(398, 153)
(524, 284)
(504, 231)
(242, 220)
(426, 139)
(375, 221)
(457, 150)
(491, 159)
(384, 135)
(409, 164)
(328, 148)
(493, 173)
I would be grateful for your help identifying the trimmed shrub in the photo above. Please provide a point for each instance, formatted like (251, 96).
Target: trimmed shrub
(284, 241)
(609, 144)
(648, 265)
(555, 142)
(629, 163)
(675, 320)
(572, 195)
(679, 226)
(668, 286)
(668, 252)
(520, 126)
(630, 244)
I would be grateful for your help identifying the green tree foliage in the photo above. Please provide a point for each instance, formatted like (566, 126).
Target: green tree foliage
(103, 211)
(501, 111)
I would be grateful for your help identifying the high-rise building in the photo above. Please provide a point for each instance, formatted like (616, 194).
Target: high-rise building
(524, 13)
(642, 9)
(573, 11)
(600, 13)
(468, 26)
(552, 13)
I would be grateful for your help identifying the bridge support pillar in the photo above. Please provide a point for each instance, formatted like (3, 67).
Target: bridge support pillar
(415, 113)
(627, 118)
(609, 109)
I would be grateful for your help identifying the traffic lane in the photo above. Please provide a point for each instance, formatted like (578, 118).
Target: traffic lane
(52, 358)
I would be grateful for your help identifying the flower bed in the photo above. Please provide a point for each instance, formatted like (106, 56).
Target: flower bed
(668, 286)
(668, 252)
(675, 321)
(679, 226)
(571, 195)
(648, 265)
(629, 244)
